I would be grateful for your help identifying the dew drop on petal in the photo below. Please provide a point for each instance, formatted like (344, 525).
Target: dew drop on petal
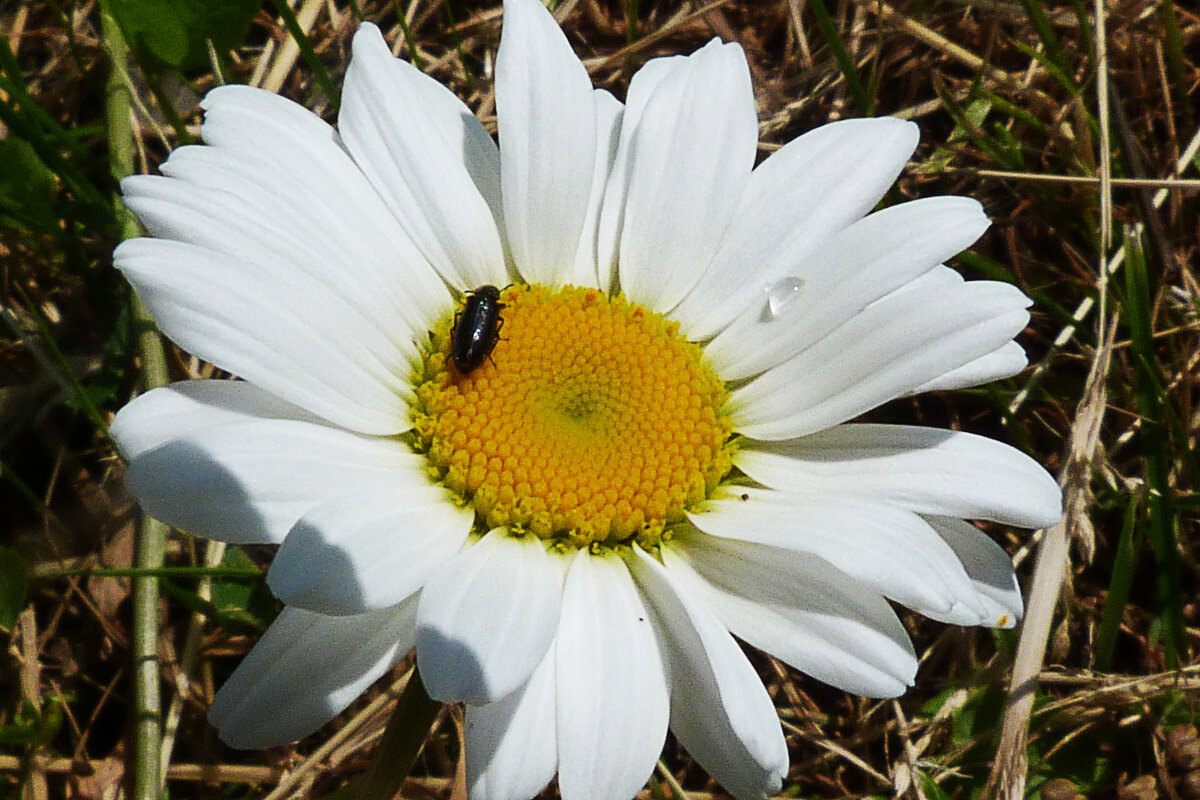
(782, 295)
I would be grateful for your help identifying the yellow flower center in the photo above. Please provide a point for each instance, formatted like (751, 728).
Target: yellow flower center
(593, 421)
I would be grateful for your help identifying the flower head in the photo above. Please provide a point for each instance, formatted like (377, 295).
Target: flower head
(647, 455)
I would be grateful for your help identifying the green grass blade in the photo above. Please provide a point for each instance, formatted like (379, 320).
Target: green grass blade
(402, 741)
(28, 121)
(1151, 401)
(1060, 74)
(1040, 21)
(1120, 585)
(194, 603)
(862, 99)
(1187, 502)
(1084, 36)
(65, 372)
(1005, 106)
(320, 74)
(413, 55)
(999, 152)
(631, 10)
(182, 134)
(9, 476)
(452, 26)
(1044, 300)
(1177, 69)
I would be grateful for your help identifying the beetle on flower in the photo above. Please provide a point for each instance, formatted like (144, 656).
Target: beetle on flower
(476, 328)
(658, 459)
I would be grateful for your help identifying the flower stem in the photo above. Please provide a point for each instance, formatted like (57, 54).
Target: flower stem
(151, 536)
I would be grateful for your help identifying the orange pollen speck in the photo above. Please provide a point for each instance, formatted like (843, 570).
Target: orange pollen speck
(593, 421)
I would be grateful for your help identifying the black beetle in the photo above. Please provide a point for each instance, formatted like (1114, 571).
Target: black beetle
(476, 328)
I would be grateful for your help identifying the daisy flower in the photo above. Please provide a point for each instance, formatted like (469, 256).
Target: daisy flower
(647, 455)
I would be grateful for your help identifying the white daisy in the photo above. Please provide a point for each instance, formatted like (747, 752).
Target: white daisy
(653, 459)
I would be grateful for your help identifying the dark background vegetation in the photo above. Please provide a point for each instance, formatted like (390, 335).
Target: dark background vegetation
(1012, 110)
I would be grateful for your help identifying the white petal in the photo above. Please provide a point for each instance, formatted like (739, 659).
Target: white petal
(283, 158)
(926, 470)
(612, 210)
(805, 192)
(427, 157)
(892, 551)
(185, 408)
(241, 218)
(305, 669)
(856, 267)
(368, 549)
(996, 365)
(888, 349)
(511, 745)
(249, 480)
(719, 711)
(988, 566)
(547, 123)
(689, 159)
(487, 618)
(278, 330)
(254, 213)
(609, 112)
(612, 687)
(940, 278)
(798, 608)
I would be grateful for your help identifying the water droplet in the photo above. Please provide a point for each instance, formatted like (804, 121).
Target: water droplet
(782, 295)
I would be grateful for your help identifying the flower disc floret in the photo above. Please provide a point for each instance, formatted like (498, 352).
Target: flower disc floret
(593, 421)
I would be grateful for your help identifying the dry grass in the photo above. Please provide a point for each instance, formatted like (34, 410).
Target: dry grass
(1007, 98)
